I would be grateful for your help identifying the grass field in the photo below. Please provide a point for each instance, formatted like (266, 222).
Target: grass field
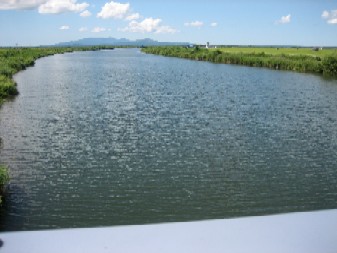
(280, 51)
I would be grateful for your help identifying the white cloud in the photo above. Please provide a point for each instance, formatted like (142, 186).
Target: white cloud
(133, 16)
(20, 4)
(65, 27)
(330, 16)
(325, 14)
(83, 29)
(85, 13)
(148, 25)
(98, 29)
(284, 19)
(44, 6)
(194, 24)
(165, 29)
(114, 10)
(59, 6)
(214, 24)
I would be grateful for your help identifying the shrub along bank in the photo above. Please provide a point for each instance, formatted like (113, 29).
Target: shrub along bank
(4, 178)
(12, 60)
(325, 64)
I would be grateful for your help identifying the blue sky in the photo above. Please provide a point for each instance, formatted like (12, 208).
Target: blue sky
(234, 22)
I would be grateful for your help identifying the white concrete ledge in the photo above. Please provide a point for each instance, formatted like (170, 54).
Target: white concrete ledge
(311, 232)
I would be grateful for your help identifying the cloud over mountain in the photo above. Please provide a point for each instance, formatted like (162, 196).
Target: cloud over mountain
(148, 25)
(114, 10)
(194, 24)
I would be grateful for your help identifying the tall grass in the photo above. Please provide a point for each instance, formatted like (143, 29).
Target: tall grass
(325, 64)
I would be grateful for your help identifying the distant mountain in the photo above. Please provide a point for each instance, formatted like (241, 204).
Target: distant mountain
(118, 42)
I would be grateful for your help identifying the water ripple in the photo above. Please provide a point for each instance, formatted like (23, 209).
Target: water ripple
(119, 137)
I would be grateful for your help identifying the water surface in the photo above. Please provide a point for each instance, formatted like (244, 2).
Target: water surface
(119, 137)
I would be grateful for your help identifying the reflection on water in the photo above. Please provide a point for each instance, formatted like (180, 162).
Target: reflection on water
(119, 137)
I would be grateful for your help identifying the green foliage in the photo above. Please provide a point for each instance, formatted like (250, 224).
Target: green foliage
(7, 87)
(4, 176)
(330, 66)
(4, 179)
(299, 60)
(12, 60)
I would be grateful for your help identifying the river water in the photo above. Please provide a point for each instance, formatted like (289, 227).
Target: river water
(120, 137)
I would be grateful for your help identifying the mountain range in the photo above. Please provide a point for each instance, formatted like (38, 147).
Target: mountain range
(119, 42)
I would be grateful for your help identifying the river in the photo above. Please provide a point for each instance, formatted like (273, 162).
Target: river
(120, 137)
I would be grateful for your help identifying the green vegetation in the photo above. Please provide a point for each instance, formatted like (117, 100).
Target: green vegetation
(12, 60)
(294, 59)
(280, 51)
(4, 178)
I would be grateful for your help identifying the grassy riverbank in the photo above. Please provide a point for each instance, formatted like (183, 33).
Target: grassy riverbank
(12, 60)
(4, 178)
(299, 60)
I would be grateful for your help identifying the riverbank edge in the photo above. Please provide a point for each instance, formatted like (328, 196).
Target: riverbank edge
(15, 60)
(304, 232)
(326, 66)
(4, 179)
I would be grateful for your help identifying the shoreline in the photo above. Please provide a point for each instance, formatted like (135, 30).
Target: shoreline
(13, 60)
(272, 58)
